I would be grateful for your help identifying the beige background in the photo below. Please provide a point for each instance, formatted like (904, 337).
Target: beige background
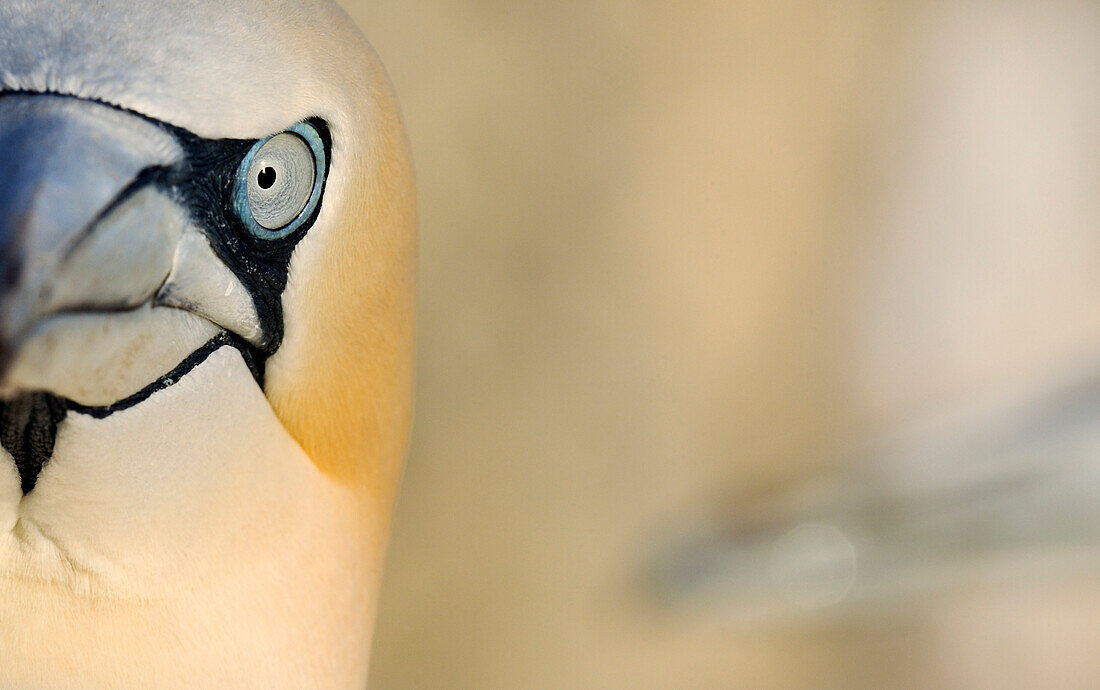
(673, 254)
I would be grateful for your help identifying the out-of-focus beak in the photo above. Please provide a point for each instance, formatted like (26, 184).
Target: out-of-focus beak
(105, 282)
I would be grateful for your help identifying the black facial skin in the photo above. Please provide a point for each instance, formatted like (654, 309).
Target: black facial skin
(203, 183)
(205, 188)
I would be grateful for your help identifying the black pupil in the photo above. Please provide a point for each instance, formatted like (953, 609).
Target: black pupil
(266, 178)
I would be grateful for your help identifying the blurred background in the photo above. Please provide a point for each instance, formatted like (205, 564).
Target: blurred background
(758, 345)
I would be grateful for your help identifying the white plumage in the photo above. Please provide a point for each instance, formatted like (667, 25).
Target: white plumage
(218, 533)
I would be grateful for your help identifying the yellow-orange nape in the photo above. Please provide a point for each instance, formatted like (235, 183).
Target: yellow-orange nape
(342, 380)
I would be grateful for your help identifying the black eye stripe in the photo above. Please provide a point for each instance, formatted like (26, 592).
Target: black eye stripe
(203, 182)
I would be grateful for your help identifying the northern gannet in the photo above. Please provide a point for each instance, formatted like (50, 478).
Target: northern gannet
(206, 297)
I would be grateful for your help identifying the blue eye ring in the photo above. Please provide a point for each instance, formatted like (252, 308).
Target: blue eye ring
(309, 135)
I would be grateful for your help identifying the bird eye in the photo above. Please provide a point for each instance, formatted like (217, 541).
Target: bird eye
(279, 182)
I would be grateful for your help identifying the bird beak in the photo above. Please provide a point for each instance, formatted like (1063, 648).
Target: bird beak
(93, 247)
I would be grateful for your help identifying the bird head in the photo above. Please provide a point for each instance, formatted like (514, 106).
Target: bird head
(206, 330)
(180, 177)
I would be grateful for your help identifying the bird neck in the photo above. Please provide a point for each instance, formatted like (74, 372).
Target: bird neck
(196, 506)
